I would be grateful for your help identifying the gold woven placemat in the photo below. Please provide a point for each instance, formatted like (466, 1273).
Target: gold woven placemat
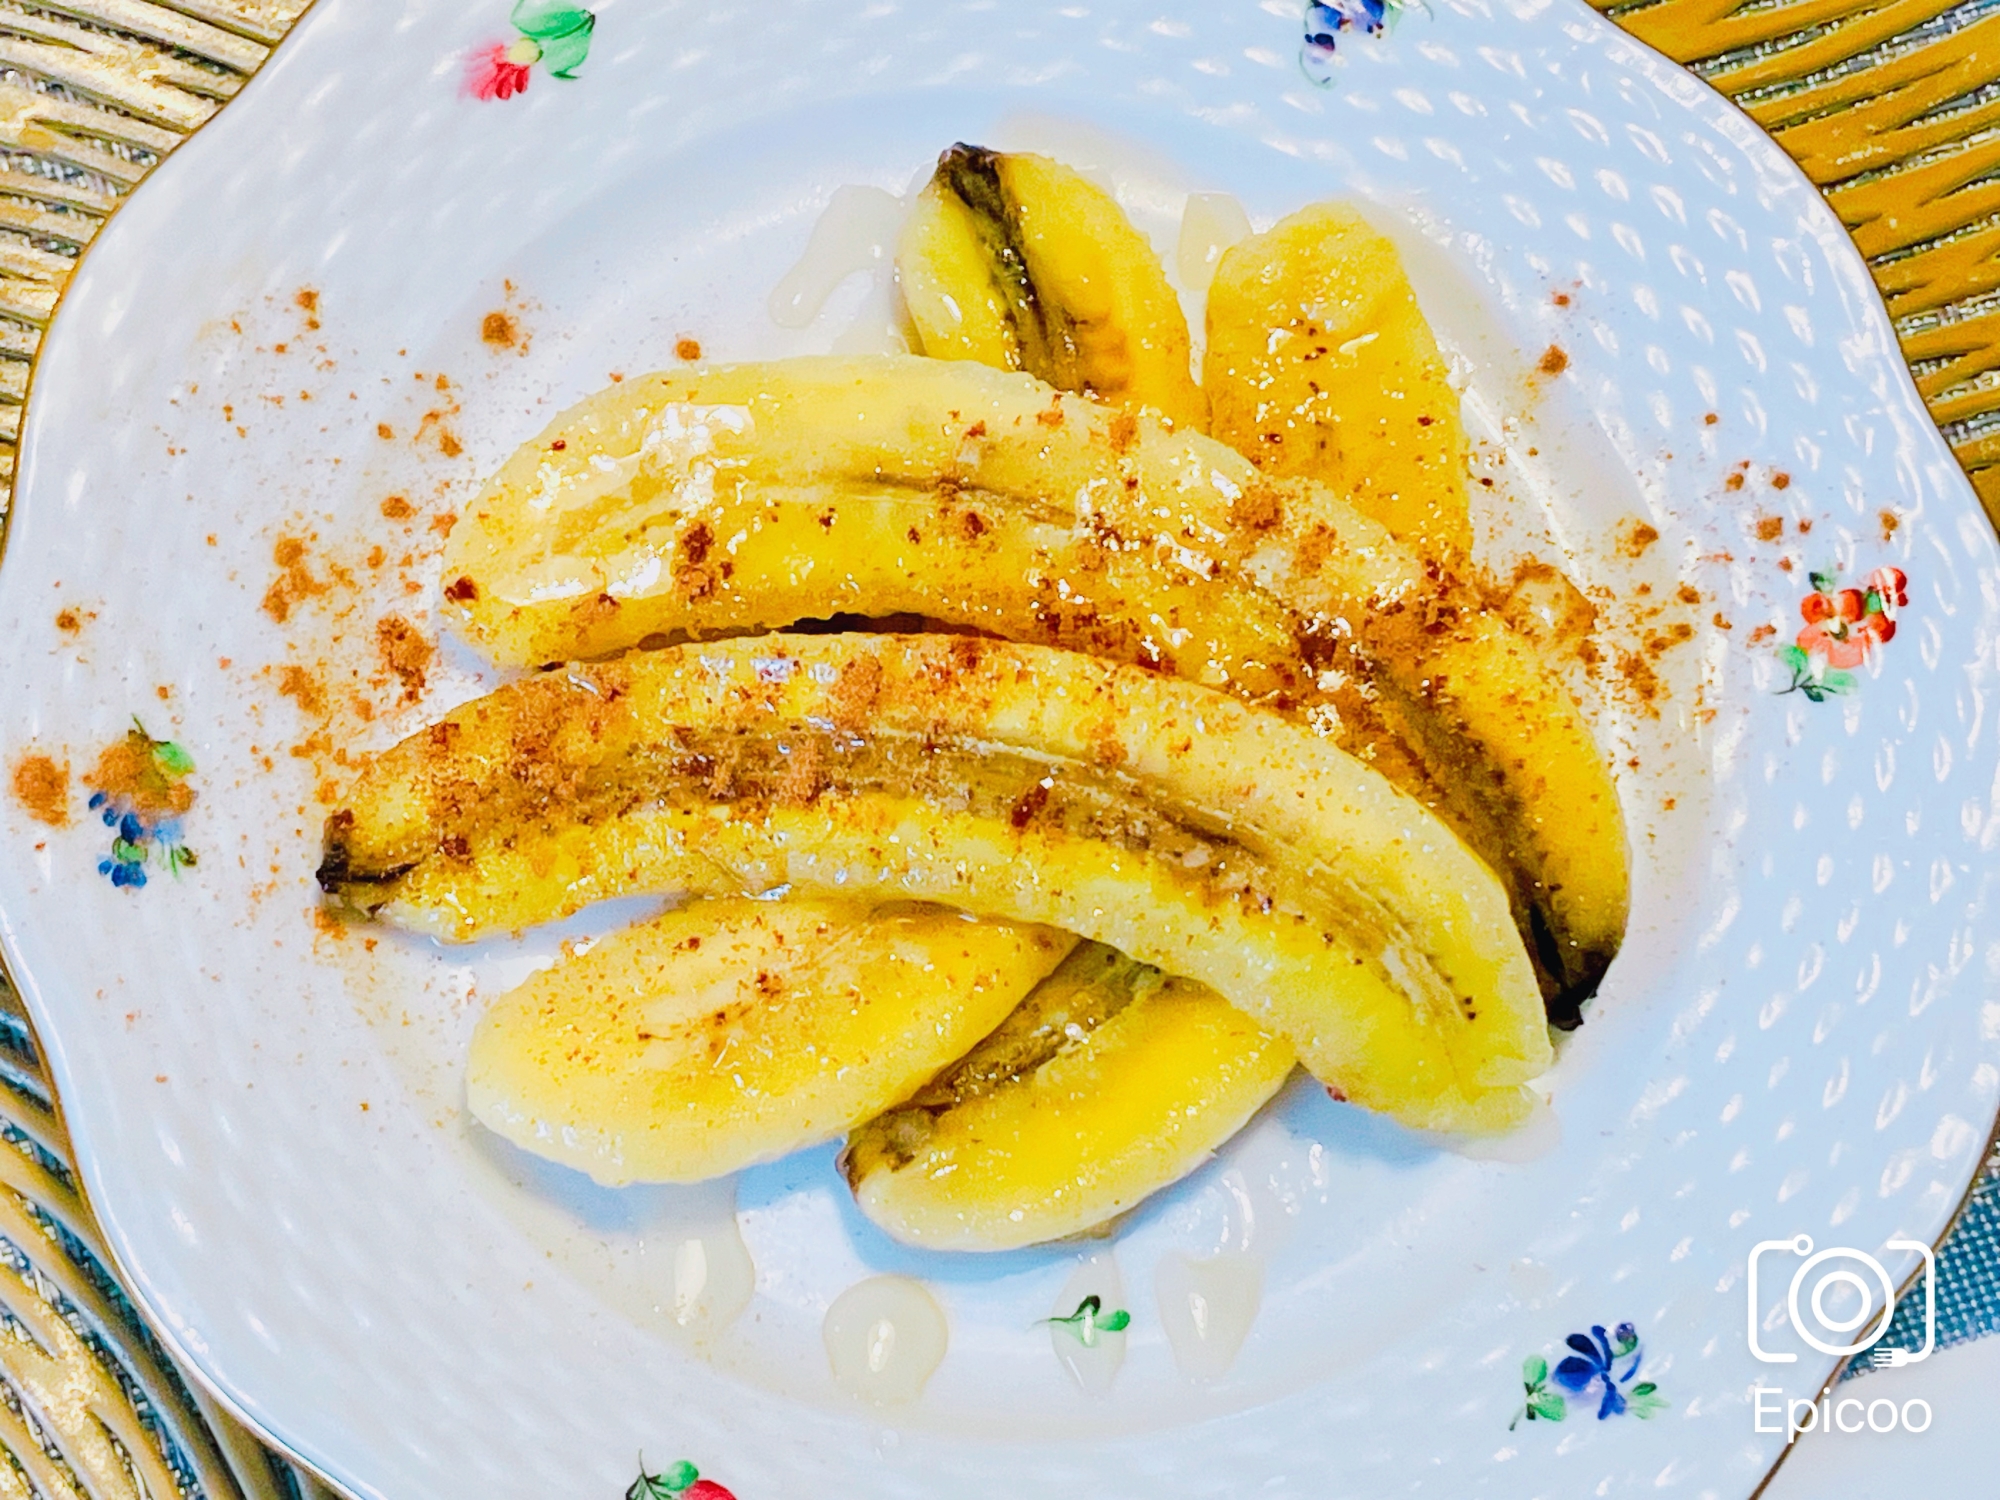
(1891, 106)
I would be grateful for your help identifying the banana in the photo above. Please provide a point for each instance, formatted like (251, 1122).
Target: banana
(728, 1033)
(1321, 365)
(608, 530)
(1018, 262)
(800, 552)
(1110, 1082)
(1205, 838)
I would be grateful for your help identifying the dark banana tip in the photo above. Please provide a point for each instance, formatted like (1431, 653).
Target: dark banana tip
(1569, 979)
(1565, 1007)
(972, 173)
(335, 867)
(336, 874)
(961, 157)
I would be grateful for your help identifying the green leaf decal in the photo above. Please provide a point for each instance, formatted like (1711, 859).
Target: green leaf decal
(1543, 1404)
(665, 1485)
(563, 31)
(172, 759)
(1090, 1319)
(542, 19)
(1646, 1400)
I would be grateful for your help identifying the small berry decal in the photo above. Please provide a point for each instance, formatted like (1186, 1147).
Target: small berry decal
(1843, 627)
(681, 1481)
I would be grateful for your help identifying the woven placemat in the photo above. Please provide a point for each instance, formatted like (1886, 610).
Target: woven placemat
(1891, 106)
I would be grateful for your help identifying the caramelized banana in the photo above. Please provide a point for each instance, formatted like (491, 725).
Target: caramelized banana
(1208, 839)
(1110, 1082)
(733, 1032)
(1320, 365)
(608, 530)
(1020, 263)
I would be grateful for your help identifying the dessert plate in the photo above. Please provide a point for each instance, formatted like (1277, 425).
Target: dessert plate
(426, 228)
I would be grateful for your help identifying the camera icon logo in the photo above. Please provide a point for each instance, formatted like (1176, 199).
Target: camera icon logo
(1860, 1293)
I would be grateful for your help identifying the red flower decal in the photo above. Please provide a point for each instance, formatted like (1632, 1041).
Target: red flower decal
(553, 33)
(499, 71)
(1842, 629)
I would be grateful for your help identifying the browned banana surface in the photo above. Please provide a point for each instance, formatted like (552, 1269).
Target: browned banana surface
(727, 1033)
(1200, 836)
(1109, 1081)
(1494, 728)
(1321, 365)
(1022, 263)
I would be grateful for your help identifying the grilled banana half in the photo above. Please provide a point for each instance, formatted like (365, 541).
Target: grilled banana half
(1110, 1082)
(1018, 262)
(733, 1032)
(1320, 364)
(753, 497)
(1210, 840)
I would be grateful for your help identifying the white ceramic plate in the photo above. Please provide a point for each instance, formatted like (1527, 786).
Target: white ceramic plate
(1798, 1037)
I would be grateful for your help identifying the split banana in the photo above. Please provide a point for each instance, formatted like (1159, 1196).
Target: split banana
(728, 1033)
(1321, 365)
(607, 532)
(1110, 1082)
(1018, 262)
(1210, 840)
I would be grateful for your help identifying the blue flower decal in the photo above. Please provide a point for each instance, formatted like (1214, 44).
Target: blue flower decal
(1324, 22)
(1606, 1366)
(140, 791)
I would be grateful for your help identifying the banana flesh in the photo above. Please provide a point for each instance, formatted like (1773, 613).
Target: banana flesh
(1110, 1082)
(1018, 262)
(1202, 837)
(986, 563)
(728, 1033)
(583, 536)
(1320, 365)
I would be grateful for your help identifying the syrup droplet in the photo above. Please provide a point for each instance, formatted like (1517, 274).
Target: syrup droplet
(884, 1337)
(856, 232)
(695, 1268)
(1536, 1137)
(1206, 1308)
(1210, 224)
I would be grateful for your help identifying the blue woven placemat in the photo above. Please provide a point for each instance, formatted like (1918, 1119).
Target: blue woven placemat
(1968, 1278)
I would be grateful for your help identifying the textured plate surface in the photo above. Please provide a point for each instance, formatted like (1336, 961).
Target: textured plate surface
(297, 321)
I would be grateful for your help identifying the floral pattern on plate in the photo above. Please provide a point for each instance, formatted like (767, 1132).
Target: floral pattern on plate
(1324, 23)
(1842, 630)
(553, 34)
(1603, 1366)
(1090, 1321)
(139, 788)
(681, 1481)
